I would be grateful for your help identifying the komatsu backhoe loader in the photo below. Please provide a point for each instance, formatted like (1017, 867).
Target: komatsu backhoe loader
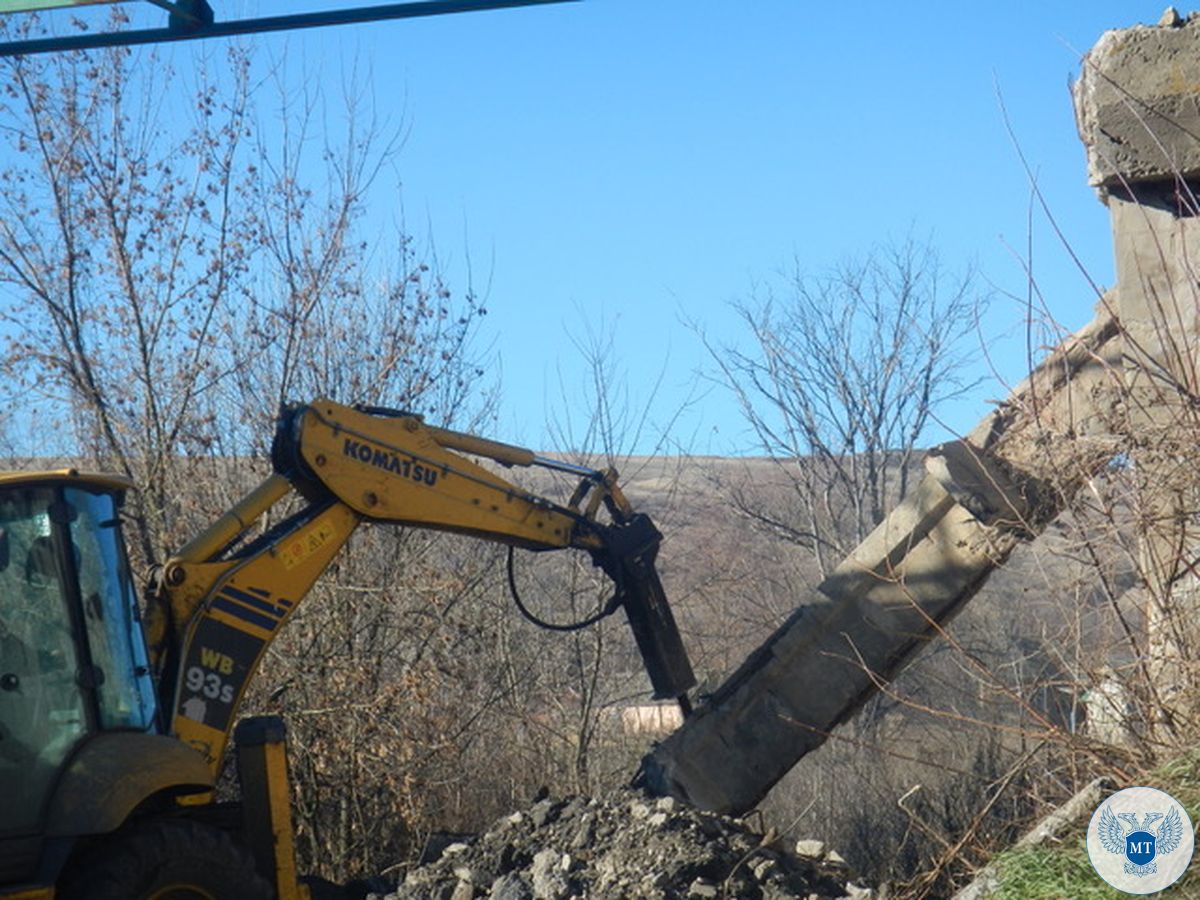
(112, 735)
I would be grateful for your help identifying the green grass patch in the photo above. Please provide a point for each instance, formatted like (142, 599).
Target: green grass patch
(1062, 871)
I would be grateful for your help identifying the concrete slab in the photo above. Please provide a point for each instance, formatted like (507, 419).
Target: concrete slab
(1137, 103)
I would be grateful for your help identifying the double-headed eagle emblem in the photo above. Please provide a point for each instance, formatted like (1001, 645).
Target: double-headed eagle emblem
(1137, 842)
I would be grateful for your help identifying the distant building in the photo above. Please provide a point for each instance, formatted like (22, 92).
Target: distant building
(650, 719)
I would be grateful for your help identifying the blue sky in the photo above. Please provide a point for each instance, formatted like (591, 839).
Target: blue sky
(633, 163)
(629, 164)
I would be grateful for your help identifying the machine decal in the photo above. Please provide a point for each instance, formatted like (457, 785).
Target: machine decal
(302, 546)
(390, 462)
(257, 610)
(222, 603)
(218, 663)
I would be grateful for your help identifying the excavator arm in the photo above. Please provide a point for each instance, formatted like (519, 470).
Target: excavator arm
(222, 599)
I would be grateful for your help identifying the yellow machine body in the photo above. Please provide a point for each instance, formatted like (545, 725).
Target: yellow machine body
(225, 595)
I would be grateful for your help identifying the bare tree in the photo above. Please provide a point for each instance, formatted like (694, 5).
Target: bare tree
(168, 280)
(119, 248)
(846, 371)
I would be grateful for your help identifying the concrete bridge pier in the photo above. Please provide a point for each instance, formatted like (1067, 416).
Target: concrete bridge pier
(1137, 105)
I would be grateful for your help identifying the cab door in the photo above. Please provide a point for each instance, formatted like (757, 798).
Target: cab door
(43, 708)
(73, 661)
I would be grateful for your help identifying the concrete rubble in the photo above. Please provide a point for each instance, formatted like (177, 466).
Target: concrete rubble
(628, 845)
(1136, 103)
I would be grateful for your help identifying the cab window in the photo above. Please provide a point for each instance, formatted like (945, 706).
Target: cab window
(42, 706)
(110, 613)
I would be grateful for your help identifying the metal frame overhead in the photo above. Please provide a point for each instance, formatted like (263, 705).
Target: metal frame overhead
(193, 19)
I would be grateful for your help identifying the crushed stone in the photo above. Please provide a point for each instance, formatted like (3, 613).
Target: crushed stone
(628, 844)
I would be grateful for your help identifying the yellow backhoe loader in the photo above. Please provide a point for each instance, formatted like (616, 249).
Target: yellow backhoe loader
(112, 734)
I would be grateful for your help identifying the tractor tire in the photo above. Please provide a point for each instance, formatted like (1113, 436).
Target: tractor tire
(169, 859)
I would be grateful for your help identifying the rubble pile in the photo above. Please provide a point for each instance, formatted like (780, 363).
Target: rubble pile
(627, 845)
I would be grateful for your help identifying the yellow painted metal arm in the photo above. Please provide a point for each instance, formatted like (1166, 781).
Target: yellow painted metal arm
(397, 469)
(507, 454)
(240, 605)
(175, 603)
(235, 522)
(221, 603)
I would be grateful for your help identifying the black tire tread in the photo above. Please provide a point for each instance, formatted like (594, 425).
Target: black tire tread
(128, 865)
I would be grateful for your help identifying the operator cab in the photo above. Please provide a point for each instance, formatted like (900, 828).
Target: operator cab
(72, 654)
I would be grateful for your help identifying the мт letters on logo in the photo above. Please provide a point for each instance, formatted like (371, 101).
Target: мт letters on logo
(1141, 843)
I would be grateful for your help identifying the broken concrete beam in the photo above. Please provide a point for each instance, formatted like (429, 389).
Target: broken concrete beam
(891, 595)
(1137, 103)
